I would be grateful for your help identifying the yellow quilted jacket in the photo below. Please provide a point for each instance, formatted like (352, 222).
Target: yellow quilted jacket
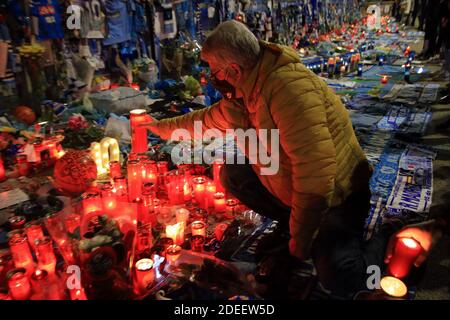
(320, 157)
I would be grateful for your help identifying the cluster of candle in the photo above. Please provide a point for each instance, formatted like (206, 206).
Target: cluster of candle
(340, 65)
(28, 275)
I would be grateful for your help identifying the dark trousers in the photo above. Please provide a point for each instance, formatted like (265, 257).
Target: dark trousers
(340, 255)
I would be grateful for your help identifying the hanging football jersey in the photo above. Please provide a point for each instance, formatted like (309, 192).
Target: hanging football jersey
(118, 22)
(92, 20)
(47, 15)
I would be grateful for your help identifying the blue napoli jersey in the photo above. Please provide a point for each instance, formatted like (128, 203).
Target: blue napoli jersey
(48, 14)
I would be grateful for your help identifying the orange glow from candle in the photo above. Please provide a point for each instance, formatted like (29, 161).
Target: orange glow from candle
(210, 191)
(393, 287)
(2, 171)
(406, 252)
(19, 285)
(92, 202)
(144, 273)
(219, 202)
(176, 233)
(198, 228)
(139, 140)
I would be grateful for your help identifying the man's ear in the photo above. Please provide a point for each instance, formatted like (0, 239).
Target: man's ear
(237, 70)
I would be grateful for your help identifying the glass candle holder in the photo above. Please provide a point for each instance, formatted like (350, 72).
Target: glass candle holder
(144, 274)
(197, 243)
(231, 208)
(219, 202)
(34, 231)
(199, 214)
(210, 191)
(134, 169)
(139, 139)
(22, 164)
(149, 172)
(72, 222)
(148, 194)
(393, 287)
(115, 169)
(17, 222)
(217, 166)
(141, 214)
(198, 228)
(175, 187)
(45, 255)
(108, 197)
(2, 171)
(92, 201)
(163, 168)
(173, 252)
(21, 252)
(144, 238)
(199, 184)
(19, 284)
(182, 215)
(120, 187)
(406, 251)
(176, 232)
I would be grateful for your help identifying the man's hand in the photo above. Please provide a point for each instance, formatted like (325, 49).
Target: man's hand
(424, 233)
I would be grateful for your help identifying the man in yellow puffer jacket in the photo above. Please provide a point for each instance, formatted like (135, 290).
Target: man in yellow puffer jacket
(319, 151)
(322, 166)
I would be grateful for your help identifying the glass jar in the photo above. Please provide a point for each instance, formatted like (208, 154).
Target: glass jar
(19, 284)
(45, 255)
(21, 253)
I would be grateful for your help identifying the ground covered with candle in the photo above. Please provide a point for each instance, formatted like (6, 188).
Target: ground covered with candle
(95, 205)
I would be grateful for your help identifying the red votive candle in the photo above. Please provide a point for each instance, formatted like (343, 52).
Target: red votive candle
(108, 197)
(198, 228)
(22, 164)
(210, 191)
(173, 253)
(217, 165)
(163, 168)
(134, 169)
(2, 171)
(17, 222)
(21, 252)
(405, 253)
(19, 284)
(34, 232)
(92, 201)
(199, 190)
(144, 237)
(115, 169)
(197, 243)
(77, 294)
(219, 202)
(231, 206)
(176, 232)
(139, 140)
(384, 79)
(120, 187)
(144, 274)
(149, 172)
(45, 255)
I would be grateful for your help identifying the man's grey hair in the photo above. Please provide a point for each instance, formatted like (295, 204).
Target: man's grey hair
(232, 42)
